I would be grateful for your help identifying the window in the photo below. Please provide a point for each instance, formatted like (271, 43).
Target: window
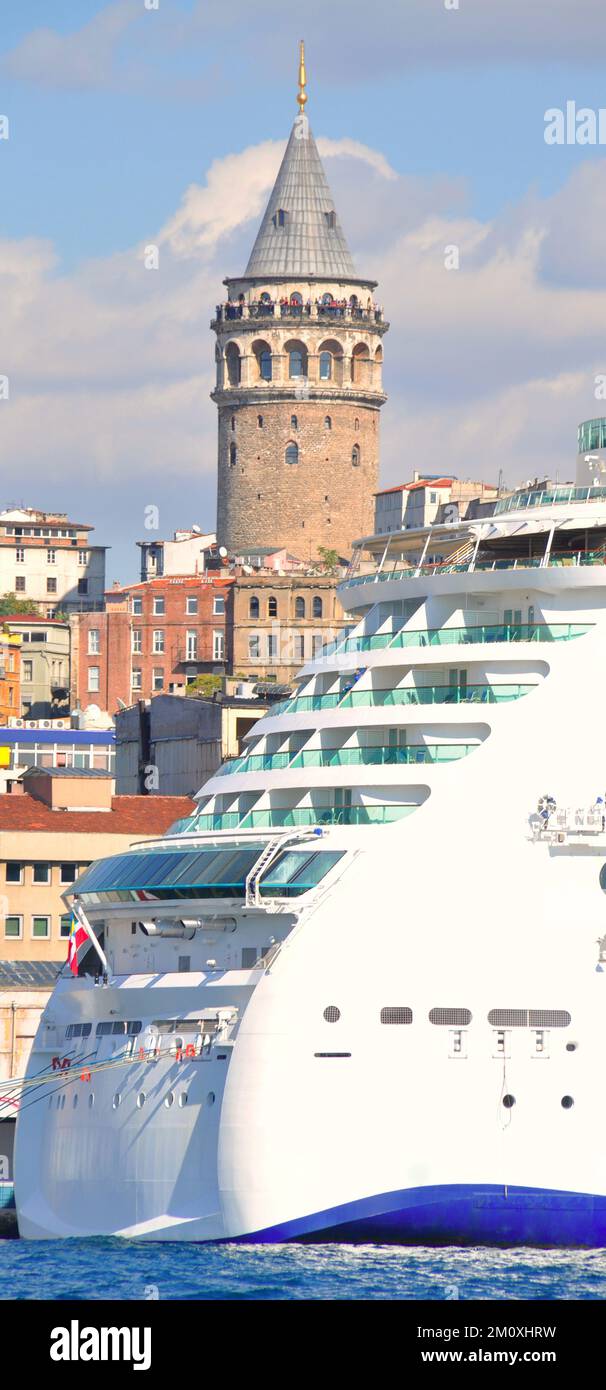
(299, 607)
(254, 647)
(158, 641)
(68, 872)
(137, 639)
(159, 608)
(65, 924)
(192, 646)
(316, 644)
(218, 605)
(331, 220)
(93, 679)
(265, 371)
(136, 606)
(317, 606)
(83, 557)
(20, 556)
(259, 422)
(234, 364)
(12, 927)
(292, 453)
(218, 646)
(356, 423)
(41, 927)
(295, 363)
(272, 607)
(355, 456)
(280, 218)
(191, 606)
(253, 607)
(28, 671)
(325, 366)
(14, 872)
(41, 873)
(327, 422)
(93, 641)
(20, 584)
(233, 455)
(294, 423)
(158, 678)
(51, 586)
(83, 586)
(299, 646)
(51, 557)
(136, 680)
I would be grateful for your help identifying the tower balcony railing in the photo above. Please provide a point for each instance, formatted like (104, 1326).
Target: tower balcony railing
(449, 636)
(405, 695)
(280, 817)
(310, 310)
(372, 756)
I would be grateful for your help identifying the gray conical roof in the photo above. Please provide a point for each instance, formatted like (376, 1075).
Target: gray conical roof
(311, 241)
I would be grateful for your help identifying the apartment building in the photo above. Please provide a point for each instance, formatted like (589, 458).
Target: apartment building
(45, 653)
(278, 621)
(49, 559)
(10, 675)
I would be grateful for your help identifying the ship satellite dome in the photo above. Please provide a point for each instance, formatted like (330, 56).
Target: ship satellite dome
(222, 551)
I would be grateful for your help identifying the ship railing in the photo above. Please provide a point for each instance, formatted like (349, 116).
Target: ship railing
(443, 567)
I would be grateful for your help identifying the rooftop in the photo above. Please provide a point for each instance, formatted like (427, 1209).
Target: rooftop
(129, 815)
(29, 974)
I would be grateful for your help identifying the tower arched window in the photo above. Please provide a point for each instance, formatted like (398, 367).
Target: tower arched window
(265, 365)
(233, 422)
(253, 607)
(299, 607)
(295, 363)
(234, 364)
(356, 423)
(292, 453)
(260, 422)
(233, 455)
(317, 606)
(325, 366)
(327, 422)
(272, 606)
(296, 299)
(294, 423)
(355, 456)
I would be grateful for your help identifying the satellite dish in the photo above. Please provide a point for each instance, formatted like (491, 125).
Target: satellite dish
(197, 530)
(222, 552)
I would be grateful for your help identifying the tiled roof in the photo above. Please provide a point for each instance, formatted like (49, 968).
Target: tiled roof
(28, 974)
(311, 240)
(410, 487)
(130, 815)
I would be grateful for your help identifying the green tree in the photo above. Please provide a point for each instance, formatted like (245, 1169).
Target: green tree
(9, 603)
(329, 559)
(204, 685)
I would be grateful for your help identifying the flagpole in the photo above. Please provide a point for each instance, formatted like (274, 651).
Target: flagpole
(81, 917)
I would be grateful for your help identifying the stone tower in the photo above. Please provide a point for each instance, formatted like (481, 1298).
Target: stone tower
(299, 374)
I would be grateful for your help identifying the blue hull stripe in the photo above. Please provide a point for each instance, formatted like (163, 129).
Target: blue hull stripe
(465, 1214)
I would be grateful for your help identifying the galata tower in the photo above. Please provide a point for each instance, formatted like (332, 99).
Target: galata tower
(299, 374)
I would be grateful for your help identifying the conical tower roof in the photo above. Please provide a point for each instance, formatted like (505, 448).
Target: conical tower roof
(300, 234)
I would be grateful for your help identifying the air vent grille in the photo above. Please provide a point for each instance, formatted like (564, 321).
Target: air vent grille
(396, 1015)
(332, 1014)
(529, 1018)
(450, 1018)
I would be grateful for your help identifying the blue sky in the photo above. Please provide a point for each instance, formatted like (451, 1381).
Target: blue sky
(117, 111)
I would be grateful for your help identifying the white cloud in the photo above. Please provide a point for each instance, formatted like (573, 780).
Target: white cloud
(83, 58)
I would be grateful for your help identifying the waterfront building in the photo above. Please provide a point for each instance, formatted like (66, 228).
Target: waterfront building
(45, 658)
(153, 636)
(171, 744)
(299, 361)
(50, 560)
(10, 674)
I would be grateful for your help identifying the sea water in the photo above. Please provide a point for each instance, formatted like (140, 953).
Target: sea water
(118, 1269)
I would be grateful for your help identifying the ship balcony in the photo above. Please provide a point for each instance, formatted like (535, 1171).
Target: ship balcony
(458, 636)
(372, 756)
(301, 808)
(349, 698)
(484, 564)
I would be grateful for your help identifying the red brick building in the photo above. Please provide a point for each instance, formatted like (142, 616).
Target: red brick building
(153, 636)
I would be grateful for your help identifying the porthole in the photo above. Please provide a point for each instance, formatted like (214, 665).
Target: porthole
(140, 1100)
(567, 1102)
(183, 1099)
(210, 1099)
(450, 1018)
(509, 1102)
(571, 1047)
(117, 1100)
(332, 1014)
(396, 1015)
(169, 1100)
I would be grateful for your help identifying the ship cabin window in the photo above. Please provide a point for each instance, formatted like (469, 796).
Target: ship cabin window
(78, 1030)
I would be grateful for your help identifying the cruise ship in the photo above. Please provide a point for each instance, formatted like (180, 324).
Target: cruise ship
(360, 994)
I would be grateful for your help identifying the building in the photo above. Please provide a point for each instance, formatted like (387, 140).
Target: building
(10, 675)
(278, 621)
(56, 746)
(187, 553)
(426, 500)
(61, 820)
(154, 636)
(174, 744)
(299, 362)
(45, 657)
(48, 559)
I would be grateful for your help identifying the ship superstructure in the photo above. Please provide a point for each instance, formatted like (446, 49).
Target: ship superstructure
(359, 994)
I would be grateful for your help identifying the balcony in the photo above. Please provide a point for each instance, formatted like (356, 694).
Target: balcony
(406, 695)
(309, 312)
(575, 559)
(375, 756)
(279, 817)
(548, 497)
(449, 636)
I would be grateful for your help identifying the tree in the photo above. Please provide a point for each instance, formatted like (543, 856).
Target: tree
(9, 603)
(204, 685)
(329, 559)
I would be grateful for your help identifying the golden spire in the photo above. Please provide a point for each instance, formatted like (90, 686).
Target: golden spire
(302, 96)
